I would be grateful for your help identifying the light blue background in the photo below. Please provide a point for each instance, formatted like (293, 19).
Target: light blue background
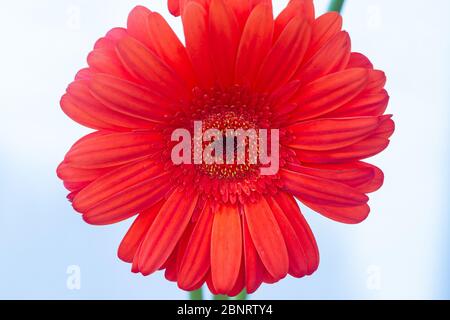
(404, 244)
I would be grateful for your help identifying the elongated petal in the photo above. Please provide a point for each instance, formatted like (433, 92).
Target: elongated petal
(328, 93)
(226, 242)
(124, 202)
(115, 182)
(224, 36)
(174, 7)
(329, 134)
(367, 104)
(137, 25)
(129, 98)
(165, 232)
(240, 282)
(364, 149)
(295, 8)
(197, 261)
(254, 268)
(135, 235)
(104, 60)
(113, 149)
(386, 129)
(331, 57)
(169, 48)
(297, 258)
(196, 31)
(325, 28)
(80, 105)
(177, 7)
(334, 200)
(377, 81)
(292, 211)
(179, 254)
(255, 44)
(75, 175)
(242, 9)
(285, 56)
(347, 215)
(144, 64)
(359, 175)
(321, 191)
(358, 60)
(268, 238)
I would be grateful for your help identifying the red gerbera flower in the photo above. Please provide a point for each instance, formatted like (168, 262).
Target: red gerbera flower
(226, 225)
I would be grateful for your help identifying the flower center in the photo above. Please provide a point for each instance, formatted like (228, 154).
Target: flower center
(234, 140)
(231, 146)
(231, 121)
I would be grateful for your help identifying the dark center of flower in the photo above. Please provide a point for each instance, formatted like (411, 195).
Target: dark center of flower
(229, 143)
(236, 115)
(233, 146)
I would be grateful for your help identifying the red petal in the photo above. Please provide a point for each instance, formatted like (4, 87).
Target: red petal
(165, 232)
(332, 57)
(122, 193)
(105, 60)
(330, 134)
(224, 36)
(243, 8)
(196, 261)
(226, 248)
(210, 284)
(358, 60)
(76, 175)
(113, 149)
(129, 98)
(255, 43)
(145, 65)
(267, 237)
(348, 215)
(369, 147)
(172, 273)
(367, 104)
(254, 268)
(321, 191)
(386, 129)
(295, 8)
(170, 265)
(285, 56)
(302, 229)
(174, 7)
(297, 258)
(195, 22)
(84, 74)
(359, 175)
(324, 28)
(169, 48)
(240, 282)
(328, 93)
(137, 25)
(80, 105)
(377, 81)
(136, 233)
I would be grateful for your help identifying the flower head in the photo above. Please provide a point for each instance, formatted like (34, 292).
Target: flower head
(226, 224)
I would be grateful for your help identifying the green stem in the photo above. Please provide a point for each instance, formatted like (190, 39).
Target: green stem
(242, 296)
(196, 295)
(336, 5)
(221, 297)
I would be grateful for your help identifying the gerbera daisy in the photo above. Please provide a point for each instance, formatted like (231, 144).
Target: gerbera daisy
(226, 225)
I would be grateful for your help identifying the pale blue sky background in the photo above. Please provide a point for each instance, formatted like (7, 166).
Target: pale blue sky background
(401, 251)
